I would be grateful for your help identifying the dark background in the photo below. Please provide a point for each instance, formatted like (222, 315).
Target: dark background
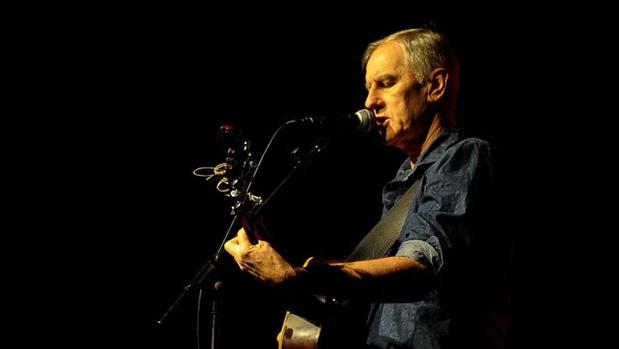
(130, 101)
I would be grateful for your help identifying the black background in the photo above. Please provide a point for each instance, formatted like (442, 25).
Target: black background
(129, 103)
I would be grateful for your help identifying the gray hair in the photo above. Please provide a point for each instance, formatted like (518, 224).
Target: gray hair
(425, 50)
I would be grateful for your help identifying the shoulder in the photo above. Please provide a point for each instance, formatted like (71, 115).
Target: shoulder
(469, 144)
(467, 152)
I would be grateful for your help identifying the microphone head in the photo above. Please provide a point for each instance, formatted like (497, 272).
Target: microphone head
(366, 120)
(363, 120)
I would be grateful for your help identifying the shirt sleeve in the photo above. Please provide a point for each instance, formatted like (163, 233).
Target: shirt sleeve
(422, 252)
(442, 214)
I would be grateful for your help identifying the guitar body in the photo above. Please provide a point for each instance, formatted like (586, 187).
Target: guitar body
(322, 320)
(344, 327)
(298, 333)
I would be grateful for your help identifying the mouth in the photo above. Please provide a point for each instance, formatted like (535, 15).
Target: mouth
(380, 120)
(381, 125)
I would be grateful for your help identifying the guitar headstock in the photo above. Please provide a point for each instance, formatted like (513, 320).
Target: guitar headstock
(238, 171)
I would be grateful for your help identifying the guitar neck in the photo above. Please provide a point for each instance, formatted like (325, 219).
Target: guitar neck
(253, 226)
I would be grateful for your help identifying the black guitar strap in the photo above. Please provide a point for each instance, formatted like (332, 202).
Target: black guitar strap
(344, 327)
(380, 239)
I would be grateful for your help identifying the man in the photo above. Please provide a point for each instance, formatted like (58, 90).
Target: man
(441, 285)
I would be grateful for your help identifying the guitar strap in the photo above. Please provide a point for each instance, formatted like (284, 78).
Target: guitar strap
(380, 239)
(343, 328)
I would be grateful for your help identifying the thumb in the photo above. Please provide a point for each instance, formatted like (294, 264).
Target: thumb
(243, 239)
(232, 246)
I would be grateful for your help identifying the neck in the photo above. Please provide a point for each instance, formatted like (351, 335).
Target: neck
(436, 128)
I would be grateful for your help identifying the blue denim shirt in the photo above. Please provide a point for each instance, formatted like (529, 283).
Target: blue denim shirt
(451, 214)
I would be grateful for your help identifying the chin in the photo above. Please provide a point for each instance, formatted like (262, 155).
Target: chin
(389, 137)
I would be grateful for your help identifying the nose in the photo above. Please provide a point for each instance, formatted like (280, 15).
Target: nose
(373, 101)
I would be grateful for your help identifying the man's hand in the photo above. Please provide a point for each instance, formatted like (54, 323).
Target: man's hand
(261, 260)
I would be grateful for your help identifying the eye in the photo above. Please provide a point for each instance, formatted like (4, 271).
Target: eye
(387, 83)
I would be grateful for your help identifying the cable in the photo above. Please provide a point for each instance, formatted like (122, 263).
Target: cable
(198, 318)
(266, 149)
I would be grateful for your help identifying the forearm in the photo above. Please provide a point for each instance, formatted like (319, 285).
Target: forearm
(390, 278)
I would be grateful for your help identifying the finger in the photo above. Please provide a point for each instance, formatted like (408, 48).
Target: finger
(232, 246)
(243, 239)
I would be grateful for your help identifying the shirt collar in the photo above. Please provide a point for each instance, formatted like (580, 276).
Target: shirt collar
(445, 140)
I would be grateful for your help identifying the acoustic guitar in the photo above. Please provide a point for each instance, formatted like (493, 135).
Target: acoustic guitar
(298, 331)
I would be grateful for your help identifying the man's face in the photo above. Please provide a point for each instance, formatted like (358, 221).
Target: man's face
(397, 98)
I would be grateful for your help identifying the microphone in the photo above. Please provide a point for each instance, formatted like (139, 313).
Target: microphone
(362, 120)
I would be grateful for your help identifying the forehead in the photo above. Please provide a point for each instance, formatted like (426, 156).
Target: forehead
(387, 58)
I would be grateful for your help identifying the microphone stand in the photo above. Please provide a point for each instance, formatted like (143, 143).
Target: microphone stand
(299, 162)
(207, 270)
(210, 267)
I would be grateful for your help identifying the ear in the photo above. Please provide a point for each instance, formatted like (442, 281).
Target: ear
(437, 82)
